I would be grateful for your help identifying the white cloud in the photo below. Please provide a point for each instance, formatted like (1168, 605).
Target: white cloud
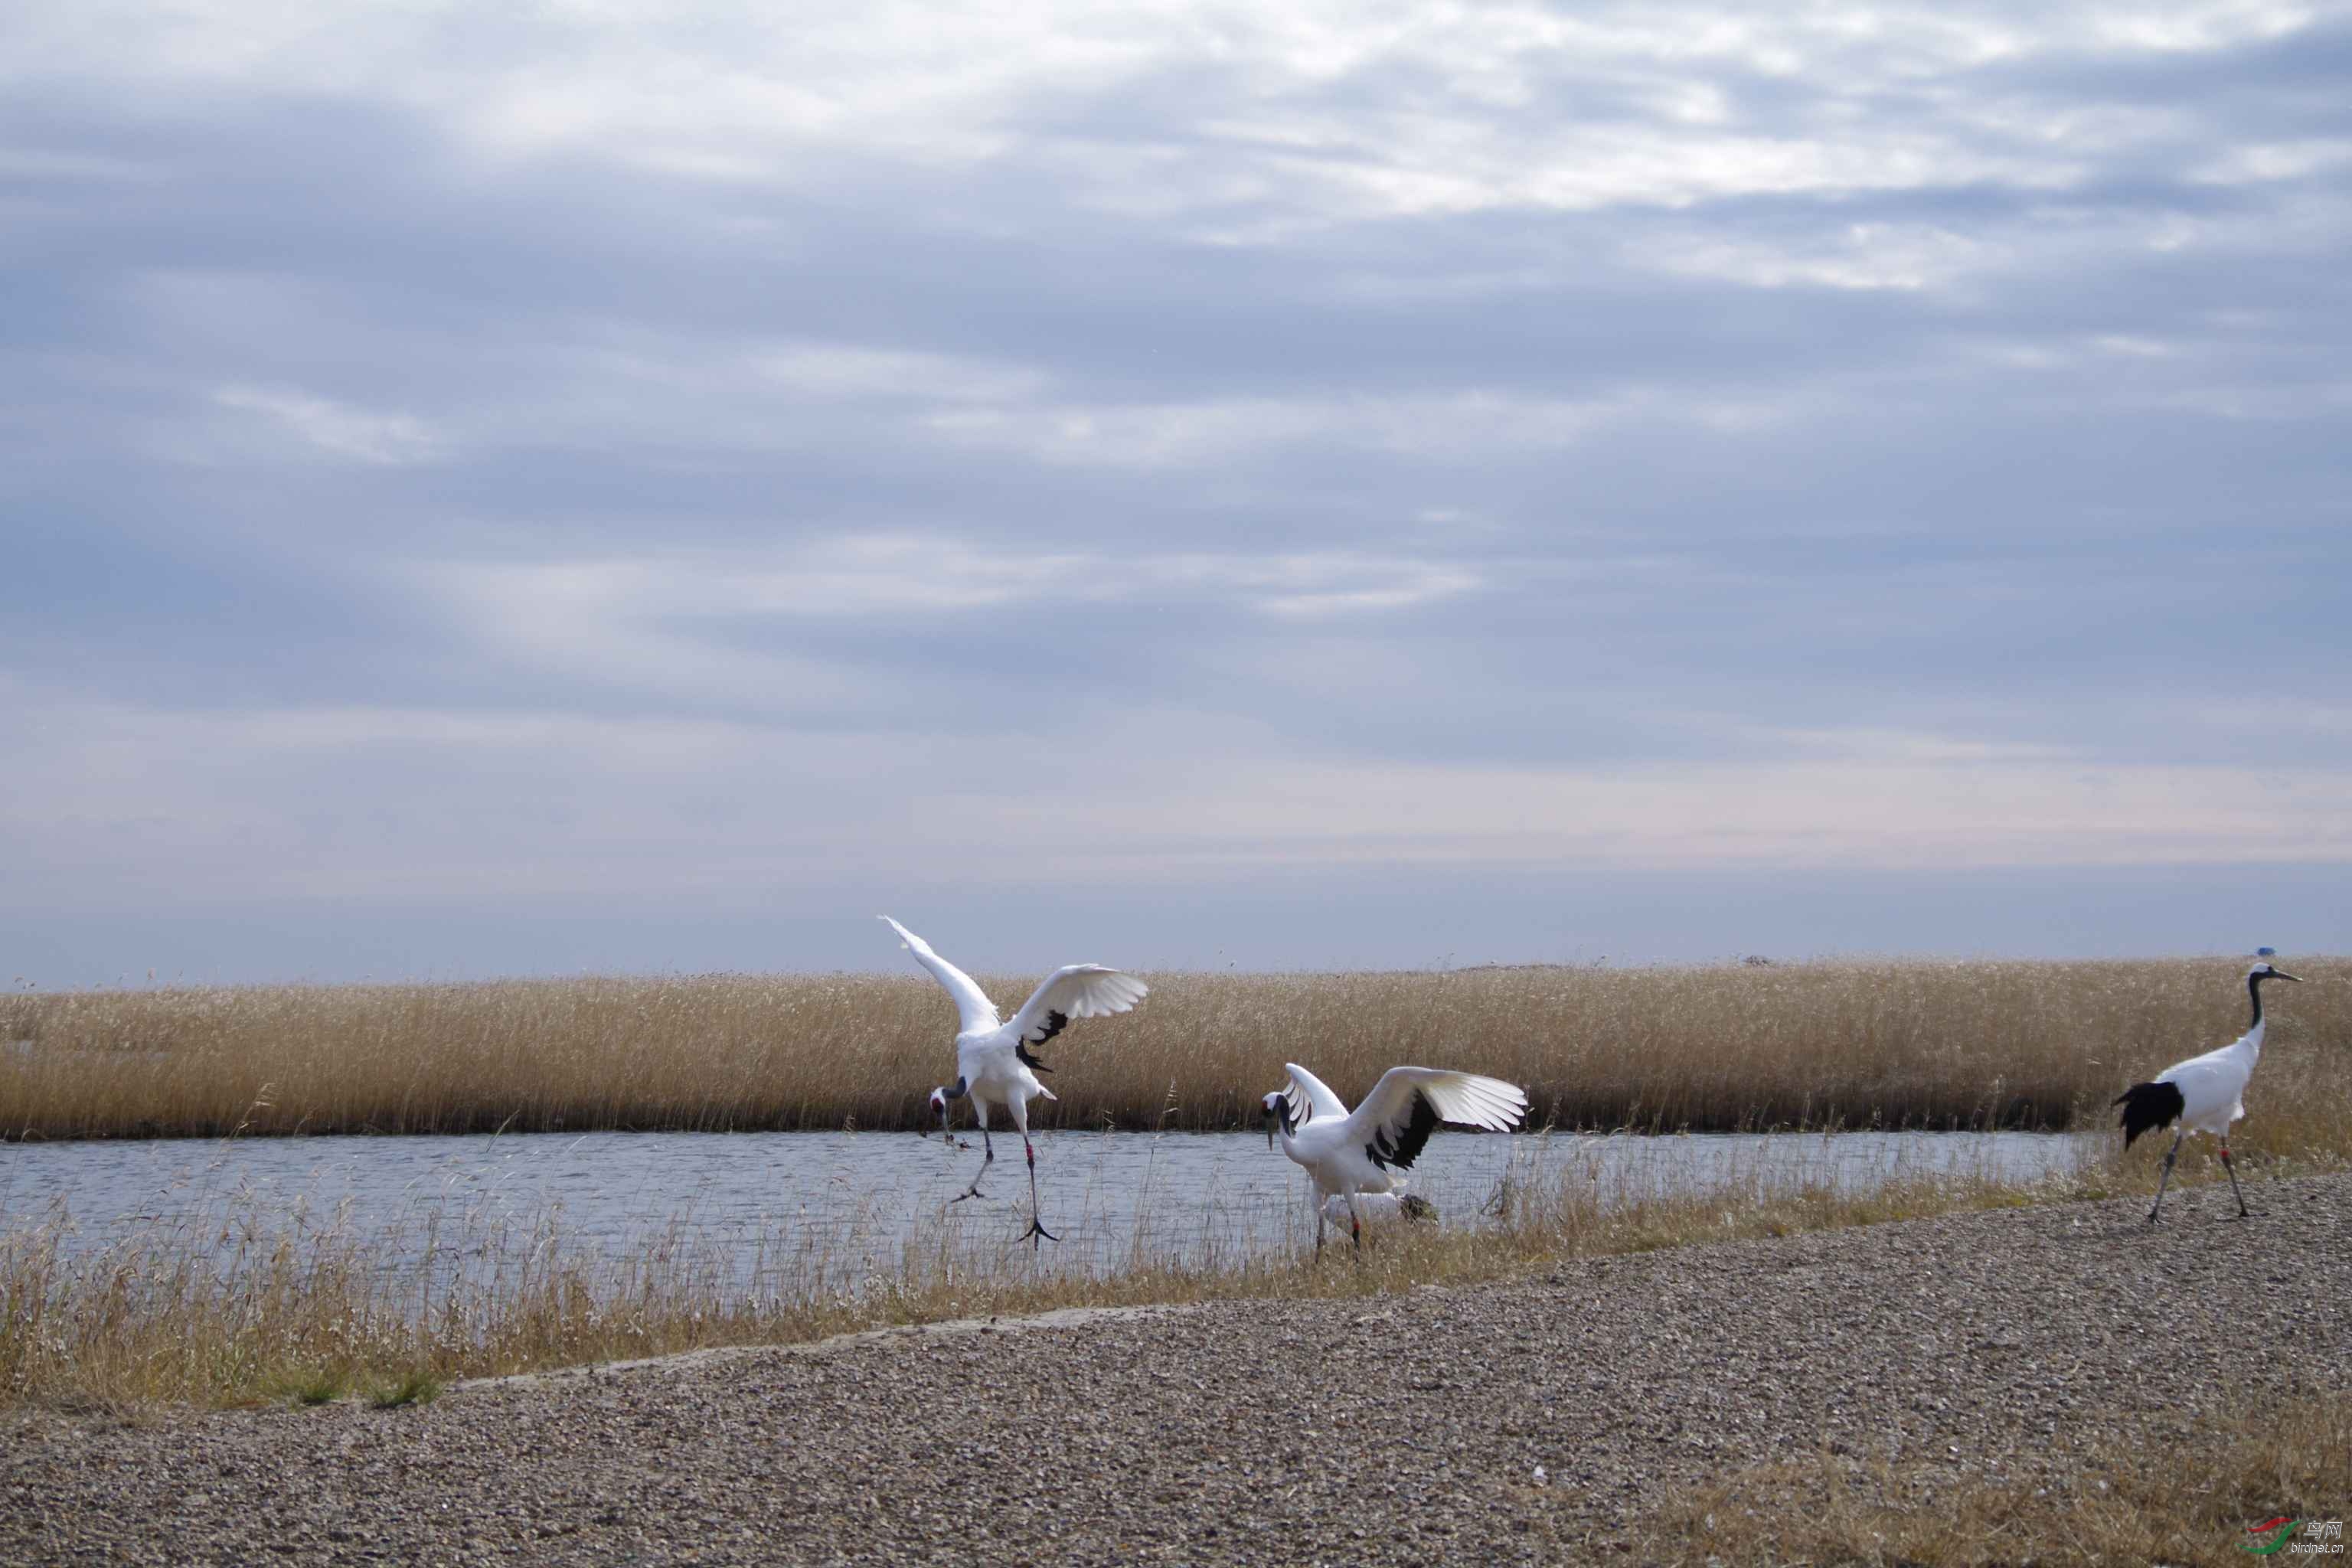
(1309, 586)
(2128, 345)
(2194, 26)
(663, 622)
(848, 576)
(1864, 256)
(337, 430)
(1173, 435)
(851, 372)
(1467, 117)
(2276, 161)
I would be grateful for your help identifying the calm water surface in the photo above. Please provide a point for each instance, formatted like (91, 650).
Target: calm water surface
(860, 1200)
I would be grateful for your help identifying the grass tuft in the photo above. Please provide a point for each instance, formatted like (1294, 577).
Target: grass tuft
(308, 1386)
(414, 1386)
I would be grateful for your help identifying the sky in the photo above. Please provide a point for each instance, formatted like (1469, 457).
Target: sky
(633, 487)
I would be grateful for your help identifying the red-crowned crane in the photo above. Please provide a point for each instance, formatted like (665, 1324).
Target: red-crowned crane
(993, 1066)
(1349, 1153)
(2206, 1093)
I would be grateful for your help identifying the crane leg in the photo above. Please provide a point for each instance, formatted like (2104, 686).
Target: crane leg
(988, 1158)
(2169, 1155)
(1037, 1221)
(1318, 1230)
(2243, 1212)
(1356, 1222)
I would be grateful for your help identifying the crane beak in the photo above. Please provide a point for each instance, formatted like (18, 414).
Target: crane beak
(2283, 974)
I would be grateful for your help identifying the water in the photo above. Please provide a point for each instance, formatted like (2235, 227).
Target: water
(858, 1201)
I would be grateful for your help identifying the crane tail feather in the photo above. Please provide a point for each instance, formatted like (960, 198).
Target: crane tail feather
(2148, 1105)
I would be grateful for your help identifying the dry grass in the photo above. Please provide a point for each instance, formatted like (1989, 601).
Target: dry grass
(1909, 1043)
(2109, 1504)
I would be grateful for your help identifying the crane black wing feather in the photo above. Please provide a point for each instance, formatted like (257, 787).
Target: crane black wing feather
(1407, 1104)
(1401, 1144)
(2147, 1107)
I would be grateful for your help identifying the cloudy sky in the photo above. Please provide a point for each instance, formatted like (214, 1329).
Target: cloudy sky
(648, 486)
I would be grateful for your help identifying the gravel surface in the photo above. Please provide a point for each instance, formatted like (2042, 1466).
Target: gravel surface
(1392, 1429)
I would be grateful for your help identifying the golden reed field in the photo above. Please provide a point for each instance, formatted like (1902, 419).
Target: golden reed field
(1903, 1043)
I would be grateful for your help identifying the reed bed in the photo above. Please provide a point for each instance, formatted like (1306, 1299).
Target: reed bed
(1853, 1043)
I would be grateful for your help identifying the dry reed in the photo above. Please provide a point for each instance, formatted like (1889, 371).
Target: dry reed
(1850, 1042)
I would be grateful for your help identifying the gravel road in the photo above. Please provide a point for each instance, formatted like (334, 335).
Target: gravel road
(1397, 1429)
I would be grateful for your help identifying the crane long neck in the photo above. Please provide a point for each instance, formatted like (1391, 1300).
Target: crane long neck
(2255, 990)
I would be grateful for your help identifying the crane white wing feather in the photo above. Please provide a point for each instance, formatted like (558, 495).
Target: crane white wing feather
(972, 1003)
(1075, 991)
(1394, 1129)
(1312, 1095)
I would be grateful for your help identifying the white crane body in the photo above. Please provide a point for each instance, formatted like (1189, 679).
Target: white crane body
(2213, 1086)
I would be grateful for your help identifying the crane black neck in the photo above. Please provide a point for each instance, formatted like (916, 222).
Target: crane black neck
(2255, 990)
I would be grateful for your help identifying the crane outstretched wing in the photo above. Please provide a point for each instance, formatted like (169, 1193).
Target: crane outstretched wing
(972, 1003)
(1075, 991)
(1405, 1106)
(1310, 1097)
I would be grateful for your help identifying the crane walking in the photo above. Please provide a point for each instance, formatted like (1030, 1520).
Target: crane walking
(1351, 1153)
(994, 1064)
(2206, 1093)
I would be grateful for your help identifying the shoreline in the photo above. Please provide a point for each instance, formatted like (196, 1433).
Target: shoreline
(2036, 1347)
